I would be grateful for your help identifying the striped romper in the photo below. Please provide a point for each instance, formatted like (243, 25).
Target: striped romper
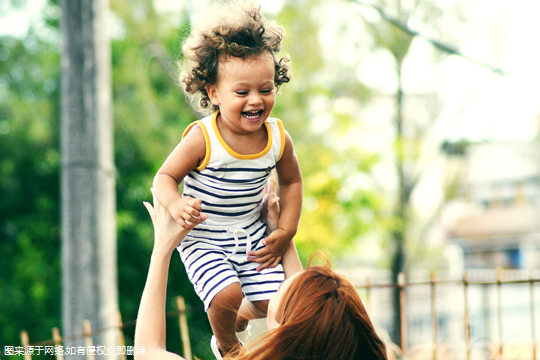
(231, 187)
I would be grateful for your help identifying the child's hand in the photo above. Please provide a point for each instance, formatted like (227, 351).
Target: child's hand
(167, 233)
(270, 206)
(186, 211)
(270, 256)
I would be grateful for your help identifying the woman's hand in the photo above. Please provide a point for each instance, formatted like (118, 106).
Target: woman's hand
(275, 251)
(150, 328)
(168, 234)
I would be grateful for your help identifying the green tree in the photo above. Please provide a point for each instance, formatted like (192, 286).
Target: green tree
(150, 114)
(330, 222)
(29, 187)
(392, 33)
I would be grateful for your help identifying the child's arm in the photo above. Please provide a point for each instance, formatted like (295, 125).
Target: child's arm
(184, 158)
(290, 194)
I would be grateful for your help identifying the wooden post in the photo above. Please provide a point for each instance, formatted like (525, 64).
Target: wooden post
(25, 342)
(88, 338)
(533, 318)
(89, 288)
(467, 316)
(434, 317)
(499, 314)
(121, 338)
(184, 332)
(57, 341)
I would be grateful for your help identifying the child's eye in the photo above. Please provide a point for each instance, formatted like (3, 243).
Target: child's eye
(266, 91)
(242, 92)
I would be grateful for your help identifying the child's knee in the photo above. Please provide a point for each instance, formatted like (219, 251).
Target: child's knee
(229, 297)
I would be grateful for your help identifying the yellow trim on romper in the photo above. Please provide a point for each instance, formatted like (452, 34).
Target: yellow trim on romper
(282, 135)
(208, 151)
(234, 153)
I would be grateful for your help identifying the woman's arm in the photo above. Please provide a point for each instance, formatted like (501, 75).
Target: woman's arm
(290, 195)
(290, 259)
(150, 328)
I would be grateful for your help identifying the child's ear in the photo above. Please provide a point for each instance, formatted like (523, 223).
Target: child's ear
(212, 94)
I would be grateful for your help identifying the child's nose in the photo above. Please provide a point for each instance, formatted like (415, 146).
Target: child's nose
(255, 99)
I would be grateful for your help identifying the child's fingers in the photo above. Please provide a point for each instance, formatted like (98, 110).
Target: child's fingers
(269, 264)
(192, 211)
(181, 221)
(189, 219)
(269, 240)
(276, 262)
(259, 253)
(195, 204)
(262, 259)
(202, 218)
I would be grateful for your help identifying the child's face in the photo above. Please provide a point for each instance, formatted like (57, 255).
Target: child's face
(245, 92)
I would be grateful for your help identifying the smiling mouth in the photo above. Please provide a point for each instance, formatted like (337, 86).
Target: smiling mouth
(252, 115)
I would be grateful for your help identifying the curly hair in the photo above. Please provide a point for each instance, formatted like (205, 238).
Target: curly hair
(237, 30)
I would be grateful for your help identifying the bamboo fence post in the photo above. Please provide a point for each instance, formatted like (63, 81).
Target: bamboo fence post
(88, 338)
(58, 342)
(467, 320)
(25, 342)
(121, 338)
(499, 313)
(184, 332)
(533, 329)
(434, 318)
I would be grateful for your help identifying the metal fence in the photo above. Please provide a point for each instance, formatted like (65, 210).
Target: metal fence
(498, 347)
(54, 346)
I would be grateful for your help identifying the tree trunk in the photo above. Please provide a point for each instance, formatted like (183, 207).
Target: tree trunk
(88, 173)
(400, 213)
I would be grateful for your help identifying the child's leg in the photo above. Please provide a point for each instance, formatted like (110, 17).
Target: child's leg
(222, 314)
(250, 310)
(257, 309)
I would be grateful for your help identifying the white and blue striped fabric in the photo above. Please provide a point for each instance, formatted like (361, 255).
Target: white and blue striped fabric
(231, 187)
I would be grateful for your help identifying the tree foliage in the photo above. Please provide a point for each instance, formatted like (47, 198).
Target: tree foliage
(29, 188)
(150, 114)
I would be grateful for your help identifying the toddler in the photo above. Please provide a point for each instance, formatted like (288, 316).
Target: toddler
(225, 160)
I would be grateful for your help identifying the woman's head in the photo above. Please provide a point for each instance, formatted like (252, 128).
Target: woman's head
(235, 30)
(317, 314)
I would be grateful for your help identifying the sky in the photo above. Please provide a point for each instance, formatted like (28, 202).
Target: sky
(501, 107)
(480, 105)
(16, 21)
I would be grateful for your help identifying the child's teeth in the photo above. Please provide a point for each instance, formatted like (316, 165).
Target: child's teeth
(251, 113)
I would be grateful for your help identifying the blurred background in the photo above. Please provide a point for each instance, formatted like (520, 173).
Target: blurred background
(415, 123)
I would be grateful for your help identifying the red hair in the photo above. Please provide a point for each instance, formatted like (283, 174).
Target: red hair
(321, 317)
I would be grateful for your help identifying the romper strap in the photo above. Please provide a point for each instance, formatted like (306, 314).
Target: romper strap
(208, 152)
